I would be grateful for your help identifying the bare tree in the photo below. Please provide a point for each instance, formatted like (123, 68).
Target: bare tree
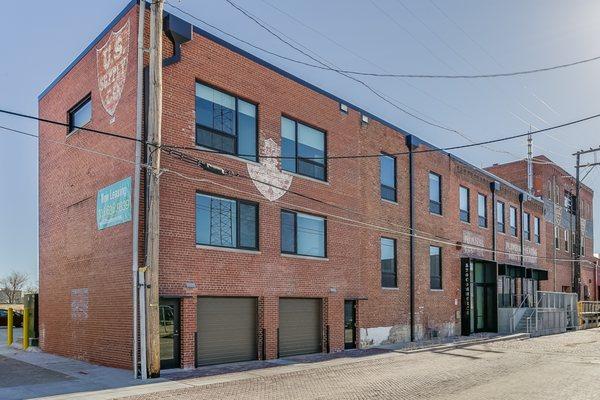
(12, 285)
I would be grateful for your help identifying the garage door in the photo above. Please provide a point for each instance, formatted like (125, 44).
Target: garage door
(226, 330)
(299, 326)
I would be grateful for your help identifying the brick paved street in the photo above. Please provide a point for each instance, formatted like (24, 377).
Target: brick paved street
(562, 366)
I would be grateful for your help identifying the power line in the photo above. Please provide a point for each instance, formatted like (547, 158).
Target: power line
(433, 149)
(392, 75)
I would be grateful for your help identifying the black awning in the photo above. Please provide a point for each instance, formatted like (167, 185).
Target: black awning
(510, 270)
(537, 274)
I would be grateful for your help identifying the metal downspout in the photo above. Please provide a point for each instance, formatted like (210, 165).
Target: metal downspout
(411, 146)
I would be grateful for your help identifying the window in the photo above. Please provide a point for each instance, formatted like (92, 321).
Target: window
(387, 176)
(302, 234)
(556, 238)
(513, 221)
(226, 222)
(566, 239)
(435, 193)
(304, 148)
(464, 204)
(80, 115)
(526, 227)
(569, 202)
(225, 123)
(536, 230)
(435, 267)
(482, 210)
(500, 216)
(582, 240)
(388, 262)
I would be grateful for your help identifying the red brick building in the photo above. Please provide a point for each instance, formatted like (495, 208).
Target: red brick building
(556, 188)
(296, 252)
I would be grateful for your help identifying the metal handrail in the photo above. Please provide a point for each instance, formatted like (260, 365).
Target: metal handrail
(514, 314)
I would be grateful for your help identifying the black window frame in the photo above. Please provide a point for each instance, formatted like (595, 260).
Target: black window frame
(382, 185)
(307, 160)
(383, 277)
(513, 229)
(435, 207)
(482, 220)
(295, 252)
(237, 124)
(464, 215)
(439, 278)
(501, 226)
(237, 222)
(526, 226)
(78, 106)
(536, 228)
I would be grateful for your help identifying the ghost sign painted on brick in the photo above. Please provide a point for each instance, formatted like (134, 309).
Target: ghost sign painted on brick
(113, 204)
(268, 178)
(111, 60)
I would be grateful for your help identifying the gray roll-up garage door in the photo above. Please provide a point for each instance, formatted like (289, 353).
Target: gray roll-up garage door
(226, 330)
(299, 326)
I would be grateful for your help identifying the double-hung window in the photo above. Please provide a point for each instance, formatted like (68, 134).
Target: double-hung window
(225, 123)
(435, 267)
(80, 114)
(526, 227)
(226, 222)
(566, 239)
(387, 177)
(435, 193)
(536, 229)
(482, 210)
(500, 216)
(388, 262)
(303, 149)
(464, 204)
(556, 238)
(512, 215)
(303, 234)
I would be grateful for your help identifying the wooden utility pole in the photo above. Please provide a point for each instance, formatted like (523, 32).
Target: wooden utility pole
(577, 209)
(153, 152)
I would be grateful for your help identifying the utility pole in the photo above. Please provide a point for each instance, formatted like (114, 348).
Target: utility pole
(577, 244)
(529, 164)
(577, 209)
(153, 201)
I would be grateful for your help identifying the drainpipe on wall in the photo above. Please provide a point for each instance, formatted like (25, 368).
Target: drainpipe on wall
(521, 200)
(493, 187)
(412, 144)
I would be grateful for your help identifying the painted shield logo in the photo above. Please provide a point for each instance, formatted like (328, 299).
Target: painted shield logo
(270, 181)
(111, 60)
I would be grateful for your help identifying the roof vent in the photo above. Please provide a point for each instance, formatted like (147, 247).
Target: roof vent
(344, 108)
(364, 119)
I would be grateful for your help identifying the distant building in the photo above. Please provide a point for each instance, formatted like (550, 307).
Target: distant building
(556, 188)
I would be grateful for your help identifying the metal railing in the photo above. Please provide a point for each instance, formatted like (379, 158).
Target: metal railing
(524, 303)
(551, 312)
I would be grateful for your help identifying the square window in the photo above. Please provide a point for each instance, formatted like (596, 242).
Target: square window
(303, 149)
(303, 234)
(80, 115)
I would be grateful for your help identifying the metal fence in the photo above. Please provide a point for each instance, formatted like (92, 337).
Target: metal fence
(553, 312)
(589, 314)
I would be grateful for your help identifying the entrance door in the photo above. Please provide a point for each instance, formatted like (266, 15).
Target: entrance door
(485, 299)
(350, 324)
(169, 333)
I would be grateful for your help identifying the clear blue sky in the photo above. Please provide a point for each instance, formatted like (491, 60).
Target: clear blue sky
(409, 36)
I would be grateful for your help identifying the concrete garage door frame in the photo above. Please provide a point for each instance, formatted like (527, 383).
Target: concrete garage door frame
(227, 330)
(300, 326)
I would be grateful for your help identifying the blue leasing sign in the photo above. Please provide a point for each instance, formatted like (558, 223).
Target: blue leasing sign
(113, 204)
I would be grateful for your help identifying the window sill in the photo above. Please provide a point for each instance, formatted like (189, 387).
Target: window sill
(435, 214)
(227, 249)
(304, 257)
(390, 288)
(466, 222)
(306, 177)
(231, 156)
(436, 290)
(390, 202)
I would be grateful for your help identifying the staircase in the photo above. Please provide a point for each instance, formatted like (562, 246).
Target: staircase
(522, 325)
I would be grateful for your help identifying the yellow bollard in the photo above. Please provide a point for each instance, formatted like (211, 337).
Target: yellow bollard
(25, 328)
(9, 327)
